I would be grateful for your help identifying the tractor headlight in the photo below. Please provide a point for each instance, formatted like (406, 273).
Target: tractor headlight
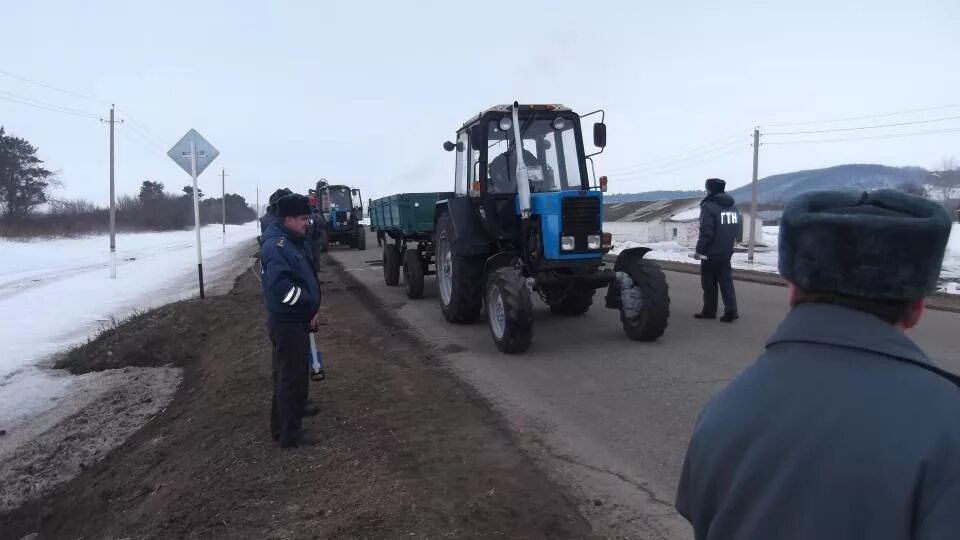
(593, 241)
(348, 216)
(505, 123)
(559, 124)
(566, 243)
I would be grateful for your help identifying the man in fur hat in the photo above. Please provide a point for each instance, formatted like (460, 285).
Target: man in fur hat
(843, 428)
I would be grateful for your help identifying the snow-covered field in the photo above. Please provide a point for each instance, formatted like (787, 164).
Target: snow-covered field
(766, 260)
(57, 293)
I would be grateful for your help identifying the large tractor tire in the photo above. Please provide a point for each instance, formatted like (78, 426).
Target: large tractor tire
(413, 273)
(459, 278)
(360, 241)
(509, 310)
(644, 300)
(577, 302)
(391, 264)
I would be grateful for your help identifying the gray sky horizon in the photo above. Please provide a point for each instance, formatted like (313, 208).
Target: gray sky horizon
(365, 93)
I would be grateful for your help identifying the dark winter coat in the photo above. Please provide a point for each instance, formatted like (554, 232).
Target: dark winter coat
(266, 220)
(842, 429)
(291, 291)
(721, 225)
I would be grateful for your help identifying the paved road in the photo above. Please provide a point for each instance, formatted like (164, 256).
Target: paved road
(608, 416)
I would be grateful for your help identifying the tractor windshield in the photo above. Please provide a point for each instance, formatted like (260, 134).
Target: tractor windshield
(339, 198)
(549, 152)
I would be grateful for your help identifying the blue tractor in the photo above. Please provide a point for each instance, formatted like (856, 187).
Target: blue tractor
(518, 226)
(341, 209)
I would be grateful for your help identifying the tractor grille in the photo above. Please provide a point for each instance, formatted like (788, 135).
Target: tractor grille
(581, 217)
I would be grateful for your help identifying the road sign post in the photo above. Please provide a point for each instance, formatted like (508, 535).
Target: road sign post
(193, 154)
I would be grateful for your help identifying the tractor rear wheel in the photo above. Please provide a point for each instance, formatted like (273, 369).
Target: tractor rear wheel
(645, 317)
(413, 273)
(391, 264)
(509, 310)
(577, 302)
(459, 277)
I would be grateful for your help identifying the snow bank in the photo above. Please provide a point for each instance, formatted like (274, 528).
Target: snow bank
(766, 260)
(57, 293)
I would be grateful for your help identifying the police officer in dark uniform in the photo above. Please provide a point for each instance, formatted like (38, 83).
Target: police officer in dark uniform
(292, 296)
(843, 428)
(720, 230)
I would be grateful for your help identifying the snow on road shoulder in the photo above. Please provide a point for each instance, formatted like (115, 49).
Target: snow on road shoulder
(766, 260)
(57, 293)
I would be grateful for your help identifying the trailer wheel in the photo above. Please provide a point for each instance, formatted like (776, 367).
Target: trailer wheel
(509, 310)
(459, 278)
(577, 302)
(391, 264)
(413, 273)
(644, 300)
(361, 238)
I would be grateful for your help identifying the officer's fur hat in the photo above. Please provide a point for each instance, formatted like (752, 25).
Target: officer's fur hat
(715, 185)
(883, 245)
(292, 205)
(282, 192)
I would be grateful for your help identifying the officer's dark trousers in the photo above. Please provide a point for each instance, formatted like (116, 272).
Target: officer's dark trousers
(291, 379)
(715, 273)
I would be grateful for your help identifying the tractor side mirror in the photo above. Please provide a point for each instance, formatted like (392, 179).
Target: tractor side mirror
(600, 135)
(449, 146)
(476, 137)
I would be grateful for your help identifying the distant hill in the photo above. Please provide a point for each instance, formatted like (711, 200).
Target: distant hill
(778, 189)
(781, 188)
(650, 196)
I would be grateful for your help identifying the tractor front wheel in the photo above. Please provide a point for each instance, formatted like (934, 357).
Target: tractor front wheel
(644, 300)
(509, 310)
(360, 241)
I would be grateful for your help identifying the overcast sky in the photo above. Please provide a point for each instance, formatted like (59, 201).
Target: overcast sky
(365, 93)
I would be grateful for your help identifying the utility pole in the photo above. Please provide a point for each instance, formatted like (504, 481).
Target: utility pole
(223, 201)
(113, 205)
(753, 202)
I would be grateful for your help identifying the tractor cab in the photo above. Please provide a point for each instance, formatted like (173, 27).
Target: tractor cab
(342, 209)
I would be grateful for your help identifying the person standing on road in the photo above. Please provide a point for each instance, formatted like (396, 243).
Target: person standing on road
(843, 428)
(720, 230)
(291, 293)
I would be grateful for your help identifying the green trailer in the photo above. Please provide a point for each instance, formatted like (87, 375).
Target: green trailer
(404, 224)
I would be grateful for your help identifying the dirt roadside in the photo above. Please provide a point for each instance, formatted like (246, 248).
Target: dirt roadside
(407, 449)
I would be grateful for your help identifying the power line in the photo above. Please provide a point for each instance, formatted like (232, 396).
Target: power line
(864, 117)
(873, 137)
(65, 109)
(142, 129)
(876, 126)
(51, 87)
(726, 141)
(668, 164)
(140, 142)
(705, 159)
(50, 108)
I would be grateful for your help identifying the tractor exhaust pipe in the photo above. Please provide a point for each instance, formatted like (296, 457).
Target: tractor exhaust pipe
(523, 180)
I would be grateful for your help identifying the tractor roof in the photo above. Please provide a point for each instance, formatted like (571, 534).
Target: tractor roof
(509, 107)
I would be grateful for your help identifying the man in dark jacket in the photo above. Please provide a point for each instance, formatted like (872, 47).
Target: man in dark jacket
(843, 428)
(291, 293)
(720, 230)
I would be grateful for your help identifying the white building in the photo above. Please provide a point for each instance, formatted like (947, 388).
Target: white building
(660, 221)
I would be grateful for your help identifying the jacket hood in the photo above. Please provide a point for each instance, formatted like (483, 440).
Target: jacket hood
(721, 199)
